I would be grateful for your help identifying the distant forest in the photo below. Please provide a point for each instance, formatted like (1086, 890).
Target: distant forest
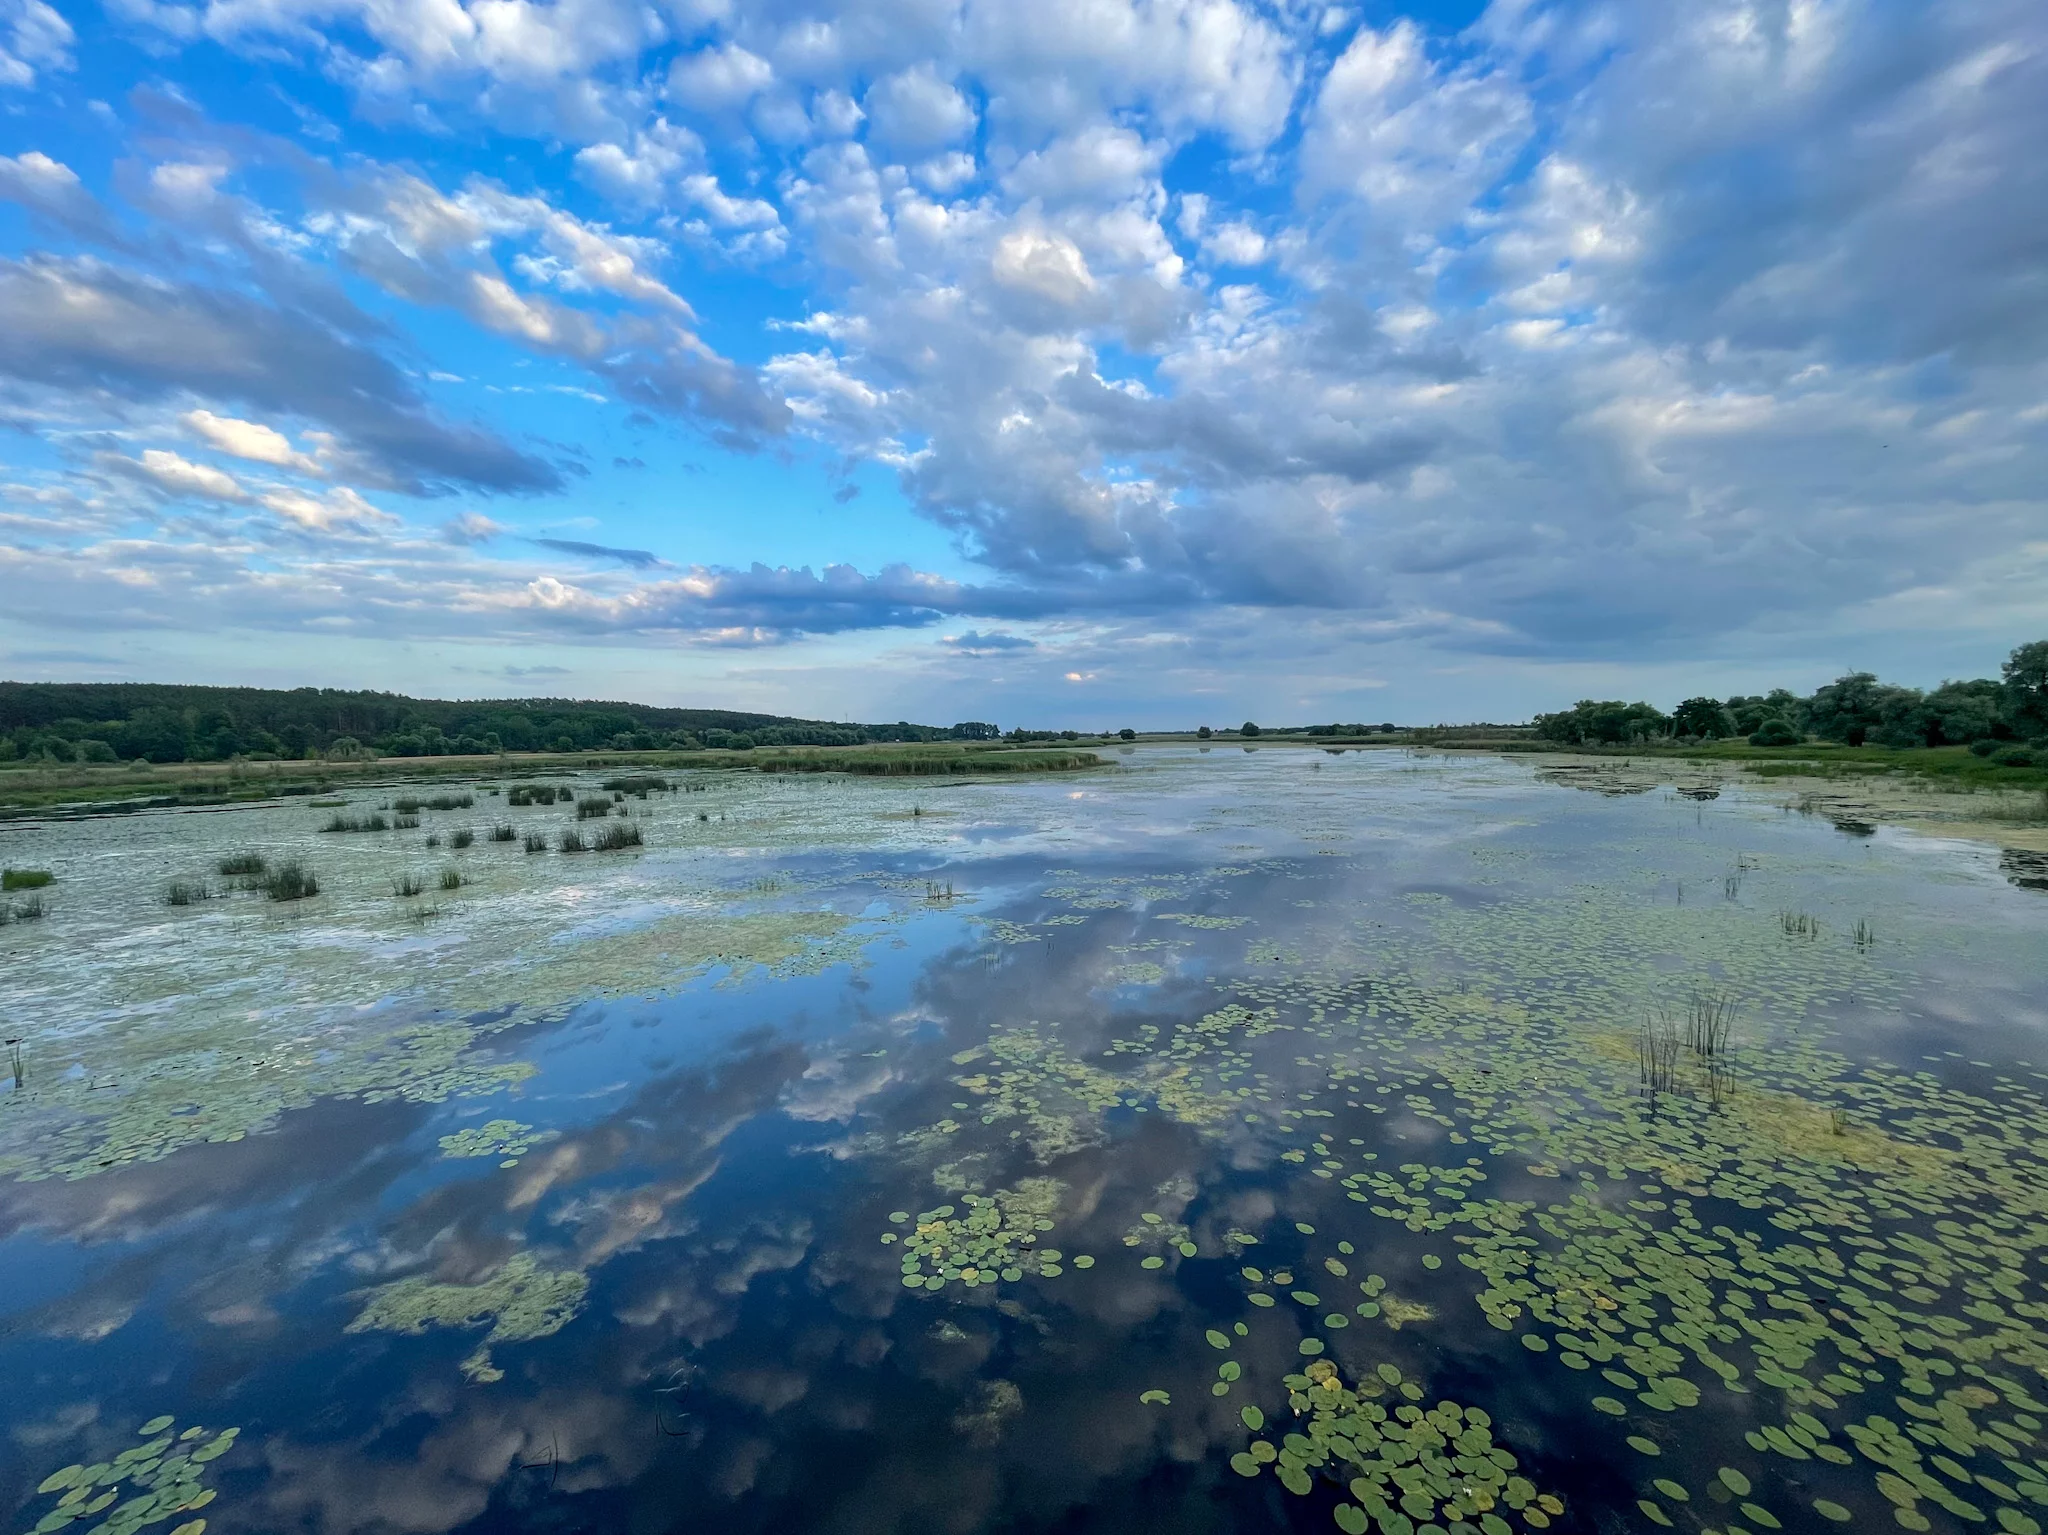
(2005, 716)
(159, 722)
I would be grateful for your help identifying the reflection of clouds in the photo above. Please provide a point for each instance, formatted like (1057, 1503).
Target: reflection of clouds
(621, 1220)
(597, 1440)
(57, 1425)
(834, 1088)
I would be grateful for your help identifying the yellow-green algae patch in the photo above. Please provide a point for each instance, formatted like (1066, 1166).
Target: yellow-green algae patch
(520, 1299)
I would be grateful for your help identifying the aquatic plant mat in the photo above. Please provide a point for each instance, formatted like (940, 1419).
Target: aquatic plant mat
(1224, 1140)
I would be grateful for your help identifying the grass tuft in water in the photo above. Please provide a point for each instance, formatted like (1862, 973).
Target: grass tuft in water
(590, 808)
(571, 841)
(242, 863)
(25, 879)
(536, 843)
(353, 823)
(461, 838)
(292, 881)
(186, 892)
(504, 834)
(30, 910)
(617, 835)
(407, 886)
(1799, 924)
(452, 879)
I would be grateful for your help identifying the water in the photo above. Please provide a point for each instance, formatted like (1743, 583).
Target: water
(1153, 1150)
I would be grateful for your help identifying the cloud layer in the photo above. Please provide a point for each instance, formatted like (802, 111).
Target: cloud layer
(1592, 332)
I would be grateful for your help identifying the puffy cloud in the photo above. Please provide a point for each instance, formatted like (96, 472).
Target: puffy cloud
(720, 79)
(914, 112)
(248, 439)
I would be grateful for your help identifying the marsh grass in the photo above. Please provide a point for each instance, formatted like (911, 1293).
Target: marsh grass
(637, 784)
(186, 892)
(1709, 1019)
(291, 881)
(617, 835)
(534, 794)
(1657, 1046)
(15, 1064)
(590, 808)
(504, 833)
(406, 886)
(936, 894)
(462, 837)
(420, 911)
(1799, 924)
(1864, 935)
(433, 839)
(406, 822)
(353, 823)
(406, 806)
(451, 802)
(241, 864)
(571, 841)
(25, 879)
(452, 879)
(536, 843)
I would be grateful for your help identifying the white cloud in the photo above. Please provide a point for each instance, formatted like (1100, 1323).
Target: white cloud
(915, 111)
(181, 477)
(32, 37)
(1048, 265)
(248, 439)
(720, 79)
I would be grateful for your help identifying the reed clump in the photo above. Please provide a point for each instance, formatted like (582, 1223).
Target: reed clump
(406, 822)
(534, 794)
(504, 833)
(242, 864)
(1799, 924)
(590, 808)
(355, 823)
(406, 886)
(452, 879)
(638, 784)
(536, 843)
(186, 892)
(25, 879)
(571, 841)
(451, 802)
(617, 835)
(291, 881)
(461, 837)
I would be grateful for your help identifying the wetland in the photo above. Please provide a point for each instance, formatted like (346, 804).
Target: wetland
(1221, 1139)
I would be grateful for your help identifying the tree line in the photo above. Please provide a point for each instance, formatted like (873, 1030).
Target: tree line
(2003, 716)
(162, 722)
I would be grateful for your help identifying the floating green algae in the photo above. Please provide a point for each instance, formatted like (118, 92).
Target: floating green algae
(145, 1484)
(520, 1299)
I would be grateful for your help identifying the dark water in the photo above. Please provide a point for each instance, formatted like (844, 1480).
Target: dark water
(1429, 991)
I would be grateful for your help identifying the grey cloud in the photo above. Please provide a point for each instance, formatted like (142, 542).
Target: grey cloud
(89, 328)
(638, 559)
(972, 642)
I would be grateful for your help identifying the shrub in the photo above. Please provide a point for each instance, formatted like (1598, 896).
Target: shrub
(292, 882)
(29, 910)
(2018, 757)
(636, 783)
(1774, 733)
(1985, 747)
(25, 879)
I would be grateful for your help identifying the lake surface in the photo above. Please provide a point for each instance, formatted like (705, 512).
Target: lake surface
(1232, 1140)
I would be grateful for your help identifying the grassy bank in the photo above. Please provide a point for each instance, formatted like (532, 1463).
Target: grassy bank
(1946, 767)
(79, 788)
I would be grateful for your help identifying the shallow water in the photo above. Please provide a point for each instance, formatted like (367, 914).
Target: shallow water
(1237, 1140)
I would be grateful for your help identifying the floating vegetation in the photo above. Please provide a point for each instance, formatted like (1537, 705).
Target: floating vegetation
(145, 1484)
(506, 1139)
(988, 1409)
(1403, 1466)
(357, 823)
(25, 879)
(520, 1299)
(242, 864)
(1191, 919)
(996, 1237)
(614, 837)
(291, 881)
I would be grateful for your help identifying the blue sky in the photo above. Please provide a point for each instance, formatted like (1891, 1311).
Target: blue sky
(1089, 362)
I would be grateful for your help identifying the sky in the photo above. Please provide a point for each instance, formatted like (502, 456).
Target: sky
(1075, 363)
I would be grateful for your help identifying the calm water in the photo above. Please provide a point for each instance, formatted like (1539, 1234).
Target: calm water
(1238, 1140)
